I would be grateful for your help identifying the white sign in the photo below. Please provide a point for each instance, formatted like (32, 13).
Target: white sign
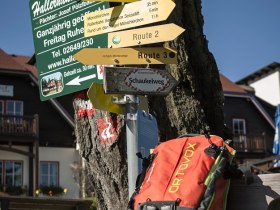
(6, 90)
(146, 80)
(139, 81)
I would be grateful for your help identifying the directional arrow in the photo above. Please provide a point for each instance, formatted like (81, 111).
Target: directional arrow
(130, 15)
(141, 36)
(149, 55)
(77, 80)
(138, 81)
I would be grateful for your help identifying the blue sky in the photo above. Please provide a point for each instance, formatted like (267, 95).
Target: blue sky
(243, 35)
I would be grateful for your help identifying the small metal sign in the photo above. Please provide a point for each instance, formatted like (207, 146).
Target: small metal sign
(6, 90)
(138, 81)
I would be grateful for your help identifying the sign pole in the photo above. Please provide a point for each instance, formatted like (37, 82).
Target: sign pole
(131, 141)
(133, 82)
(131, 103)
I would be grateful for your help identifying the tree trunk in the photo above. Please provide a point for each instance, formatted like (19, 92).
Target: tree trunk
(194, 106)
(106, 161)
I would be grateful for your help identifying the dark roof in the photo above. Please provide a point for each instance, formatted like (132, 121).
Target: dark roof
(259, 74)
(23, 60)
(16, 63)
(229, 86)
(8, 62)
(32, 60)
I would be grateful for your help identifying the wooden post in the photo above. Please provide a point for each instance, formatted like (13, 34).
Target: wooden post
(31, 170)
(36, 164)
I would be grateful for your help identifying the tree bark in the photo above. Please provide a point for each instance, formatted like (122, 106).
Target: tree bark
(105, 162)
(194, 106)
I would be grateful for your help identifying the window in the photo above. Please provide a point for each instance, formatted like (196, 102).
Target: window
(239, 126)
(1, 172)
(11, 172)
(14, 108)
(11, 107)
(49, 173)
(1, 107)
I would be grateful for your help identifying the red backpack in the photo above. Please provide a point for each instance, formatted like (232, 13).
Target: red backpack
(184, 174)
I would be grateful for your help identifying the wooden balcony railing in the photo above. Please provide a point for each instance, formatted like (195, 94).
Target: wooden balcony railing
(249, 143)
(19, 125)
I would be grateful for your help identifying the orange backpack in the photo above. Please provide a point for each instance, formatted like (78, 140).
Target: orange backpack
(185, 174)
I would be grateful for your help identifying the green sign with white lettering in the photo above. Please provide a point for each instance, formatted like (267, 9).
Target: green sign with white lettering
(58, 33)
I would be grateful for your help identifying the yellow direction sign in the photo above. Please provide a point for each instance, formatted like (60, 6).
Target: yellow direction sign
(122, 56)
(141, 36)
(103, 101)
(111, 0)
(127, 16)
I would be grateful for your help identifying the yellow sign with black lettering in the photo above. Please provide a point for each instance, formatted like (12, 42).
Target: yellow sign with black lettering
(127, 16)
(141, 36)
(109, 56)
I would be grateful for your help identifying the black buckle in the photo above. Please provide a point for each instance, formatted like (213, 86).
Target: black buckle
(159, 205)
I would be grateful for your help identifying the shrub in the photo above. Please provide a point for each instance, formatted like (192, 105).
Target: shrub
(15, 190)
(51, 190)
(94, 203)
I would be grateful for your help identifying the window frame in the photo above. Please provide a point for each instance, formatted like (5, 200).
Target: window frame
(15, 113)
(239, 131)
(57, 175)
(3, 181)
(2, 172)
(2, 107)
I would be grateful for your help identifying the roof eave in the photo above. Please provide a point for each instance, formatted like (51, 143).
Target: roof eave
(256, 104)
(259, 74)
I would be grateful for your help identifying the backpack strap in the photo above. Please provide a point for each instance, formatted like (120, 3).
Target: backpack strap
(214, 174)
(146, 163)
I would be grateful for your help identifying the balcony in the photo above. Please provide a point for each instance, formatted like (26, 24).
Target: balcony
(249, 143)
(19, 126)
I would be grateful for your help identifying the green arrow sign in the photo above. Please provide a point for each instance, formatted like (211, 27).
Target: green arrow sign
(58, 33)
